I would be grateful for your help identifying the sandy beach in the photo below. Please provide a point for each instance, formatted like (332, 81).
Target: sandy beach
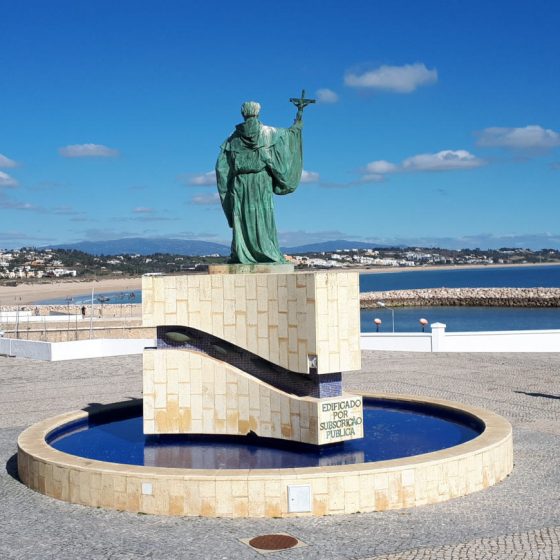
(26, 293)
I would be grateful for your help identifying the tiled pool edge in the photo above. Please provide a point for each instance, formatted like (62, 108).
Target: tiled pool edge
(379, 486)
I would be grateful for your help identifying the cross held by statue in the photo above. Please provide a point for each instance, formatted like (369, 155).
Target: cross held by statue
(301, 102)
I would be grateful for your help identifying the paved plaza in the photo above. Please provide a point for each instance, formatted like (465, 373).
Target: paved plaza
(517, 519)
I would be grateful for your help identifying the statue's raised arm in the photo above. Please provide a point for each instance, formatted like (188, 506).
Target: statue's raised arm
(301, 103)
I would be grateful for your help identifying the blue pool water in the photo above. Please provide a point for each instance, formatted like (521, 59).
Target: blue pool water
(392, 429)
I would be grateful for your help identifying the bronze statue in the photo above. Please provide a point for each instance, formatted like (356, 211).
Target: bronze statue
(255, 162)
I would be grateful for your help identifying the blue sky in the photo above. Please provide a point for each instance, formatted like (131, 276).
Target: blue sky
(437, 122)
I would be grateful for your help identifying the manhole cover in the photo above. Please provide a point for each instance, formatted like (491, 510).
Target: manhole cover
(273, 542)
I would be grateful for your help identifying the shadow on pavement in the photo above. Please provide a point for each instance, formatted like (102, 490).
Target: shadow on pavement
(11, 467)
(542, 395)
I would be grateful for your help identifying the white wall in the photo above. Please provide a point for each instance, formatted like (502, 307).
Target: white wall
(10, 314)
(75, 350)
(403, 342)
(502, 341)
(436, 341)
(441, 341)
(99, 347)
(32, 349)
(25, 319)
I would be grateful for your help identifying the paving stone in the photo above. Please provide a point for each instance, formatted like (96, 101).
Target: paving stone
(518, 518)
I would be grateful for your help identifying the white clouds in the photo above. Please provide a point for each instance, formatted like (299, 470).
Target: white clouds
(399, 79)
(375, 171)
(203, 180)
(326, 95)
(446, 160)
(206, 199)
(532, 137)
(7, 162)
(8, 204)
(7, 181)
(442, 161)
(309, 176)
(381, 167)
(147, 214)
(370, 178)
(87, 150)
(534, 241)
(66, 210)
(13, 238)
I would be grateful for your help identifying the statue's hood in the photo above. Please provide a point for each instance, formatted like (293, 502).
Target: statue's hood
(248, 132)
(252, 134)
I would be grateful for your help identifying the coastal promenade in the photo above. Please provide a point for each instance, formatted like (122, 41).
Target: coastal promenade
(516, 519)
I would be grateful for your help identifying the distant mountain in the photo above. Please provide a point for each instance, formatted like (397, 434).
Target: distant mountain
(329, 246)
(143, 246)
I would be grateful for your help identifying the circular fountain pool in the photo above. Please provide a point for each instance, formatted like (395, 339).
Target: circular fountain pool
(392, 430)
(416, 451)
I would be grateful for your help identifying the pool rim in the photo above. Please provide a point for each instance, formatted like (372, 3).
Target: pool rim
(475, 457)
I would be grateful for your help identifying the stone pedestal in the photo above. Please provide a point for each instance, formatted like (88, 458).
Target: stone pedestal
(259, 352)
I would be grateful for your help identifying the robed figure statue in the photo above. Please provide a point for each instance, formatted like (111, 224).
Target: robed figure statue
(255, 162)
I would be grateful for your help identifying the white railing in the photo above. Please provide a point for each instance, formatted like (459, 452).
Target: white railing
(441, 341)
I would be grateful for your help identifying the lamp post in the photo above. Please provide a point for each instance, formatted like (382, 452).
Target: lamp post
(377, 324)
(423, 323)
(381, 304)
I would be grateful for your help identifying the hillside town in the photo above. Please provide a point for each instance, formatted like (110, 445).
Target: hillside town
(31, 263)
(418, 257)
(37, 264)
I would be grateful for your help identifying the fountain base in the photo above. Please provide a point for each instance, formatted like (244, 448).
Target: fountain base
(272, 492)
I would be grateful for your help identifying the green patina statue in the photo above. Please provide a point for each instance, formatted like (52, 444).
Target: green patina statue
(255, 162)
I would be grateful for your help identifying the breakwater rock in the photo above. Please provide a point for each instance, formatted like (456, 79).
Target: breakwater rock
(490, 297)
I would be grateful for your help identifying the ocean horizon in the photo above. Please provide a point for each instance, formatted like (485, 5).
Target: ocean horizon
(492, 276)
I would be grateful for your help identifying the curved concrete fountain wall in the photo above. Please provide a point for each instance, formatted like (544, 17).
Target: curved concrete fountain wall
(400, 483)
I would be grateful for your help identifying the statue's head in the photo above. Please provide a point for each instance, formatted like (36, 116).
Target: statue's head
(250, 109)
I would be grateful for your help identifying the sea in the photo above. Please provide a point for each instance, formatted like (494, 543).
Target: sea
(407, 319)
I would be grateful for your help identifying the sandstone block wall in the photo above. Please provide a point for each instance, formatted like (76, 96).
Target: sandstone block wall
(287, 319)
(189, 392)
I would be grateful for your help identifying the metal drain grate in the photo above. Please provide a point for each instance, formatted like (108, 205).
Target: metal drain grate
(273, 542)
